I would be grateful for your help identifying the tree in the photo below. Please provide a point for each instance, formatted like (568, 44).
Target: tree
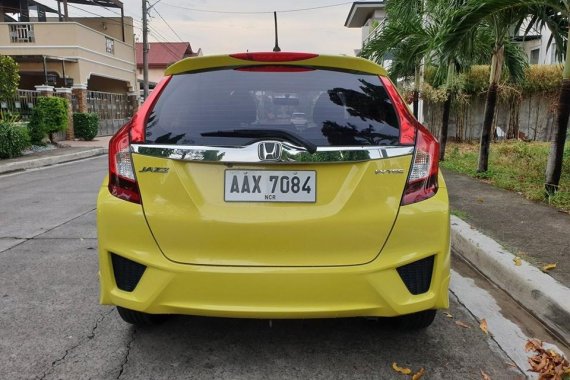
(551, 13)
(502, 21)
(555, 14)
(404, 38)
(411, 36)
(9, 77)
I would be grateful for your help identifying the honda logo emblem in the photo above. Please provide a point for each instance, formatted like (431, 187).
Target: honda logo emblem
(269, 151)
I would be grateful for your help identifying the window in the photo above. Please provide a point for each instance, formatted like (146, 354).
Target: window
(109, 45)
(328, 108)
(534, 56)
(22, 33)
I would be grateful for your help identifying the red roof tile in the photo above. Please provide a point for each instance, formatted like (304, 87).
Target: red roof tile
(162, 54)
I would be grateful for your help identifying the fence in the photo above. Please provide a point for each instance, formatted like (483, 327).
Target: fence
(114, 110)
(532, 117)
(22, 103)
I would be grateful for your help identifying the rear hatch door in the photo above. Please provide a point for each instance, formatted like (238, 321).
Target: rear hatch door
(324, 193)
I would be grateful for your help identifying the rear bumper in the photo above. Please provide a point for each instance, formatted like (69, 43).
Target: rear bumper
(372, 289)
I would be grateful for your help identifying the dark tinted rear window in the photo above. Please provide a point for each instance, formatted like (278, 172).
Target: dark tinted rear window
(328, 108)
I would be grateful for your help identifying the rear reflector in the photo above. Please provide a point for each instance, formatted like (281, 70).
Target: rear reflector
(417, 275)
(274, 56)
(127, 273)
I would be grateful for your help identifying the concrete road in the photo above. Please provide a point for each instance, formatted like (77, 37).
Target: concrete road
(52, 327)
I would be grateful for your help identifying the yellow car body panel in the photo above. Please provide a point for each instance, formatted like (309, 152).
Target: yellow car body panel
(348, 224)
(371, 289)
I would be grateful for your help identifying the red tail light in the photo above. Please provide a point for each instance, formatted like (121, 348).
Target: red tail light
(422, 179)
(407, 121)
(122, 179)
(274, 56)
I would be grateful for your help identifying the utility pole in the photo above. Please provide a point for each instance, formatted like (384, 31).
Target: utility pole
(145, 48)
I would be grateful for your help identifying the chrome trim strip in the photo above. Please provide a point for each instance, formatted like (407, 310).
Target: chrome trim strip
(290, 153)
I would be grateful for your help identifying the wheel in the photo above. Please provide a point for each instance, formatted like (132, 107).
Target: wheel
(415, 321)
(138, 318)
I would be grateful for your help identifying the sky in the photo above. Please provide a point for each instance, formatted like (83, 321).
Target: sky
(318, 30)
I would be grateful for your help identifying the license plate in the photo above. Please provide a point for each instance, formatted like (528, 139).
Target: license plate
(270, 186)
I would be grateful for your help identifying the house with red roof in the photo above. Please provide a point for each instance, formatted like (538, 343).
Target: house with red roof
(160, 56)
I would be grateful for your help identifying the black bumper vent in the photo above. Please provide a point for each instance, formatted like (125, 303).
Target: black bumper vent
(127, 273)
(417, 275)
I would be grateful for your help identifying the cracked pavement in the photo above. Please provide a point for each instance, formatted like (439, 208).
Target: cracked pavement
(52, 326)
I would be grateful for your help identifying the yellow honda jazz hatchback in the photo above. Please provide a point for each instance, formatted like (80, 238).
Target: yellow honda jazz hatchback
(274, 185)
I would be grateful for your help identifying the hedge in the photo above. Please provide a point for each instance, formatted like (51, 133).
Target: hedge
(85, 125)
(13, 139)
(538, 79)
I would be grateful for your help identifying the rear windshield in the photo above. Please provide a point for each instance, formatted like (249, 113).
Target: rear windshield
(325, 107)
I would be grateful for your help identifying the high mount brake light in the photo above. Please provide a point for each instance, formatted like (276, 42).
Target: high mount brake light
(275, 69)
(274, 56)
(122, 179)
(422, 179)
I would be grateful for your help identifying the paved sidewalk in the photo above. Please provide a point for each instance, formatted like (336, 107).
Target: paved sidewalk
(514, 227)
(68, 151)
(97, 142)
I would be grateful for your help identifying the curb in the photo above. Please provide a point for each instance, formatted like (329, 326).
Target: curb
(543, 296)
(50, 160)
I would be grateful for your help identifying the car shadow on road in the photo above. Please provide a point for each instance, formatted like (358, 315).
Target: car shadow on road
(310, 348)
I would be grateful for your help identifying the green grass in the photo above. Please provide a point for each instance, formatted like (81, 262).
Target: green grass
(459, 213)
(514, 165)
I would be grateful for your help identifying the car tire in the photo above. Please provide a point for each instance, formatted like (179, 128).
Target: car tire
(138, 318)
(415, 321)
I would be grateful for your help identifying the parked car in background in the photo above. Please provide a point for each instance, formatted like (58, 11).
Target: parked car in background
(298, 119)
(217, 204)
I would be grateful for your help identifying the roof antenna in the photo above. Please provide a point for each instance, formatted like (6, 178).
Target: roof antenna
(276, 48)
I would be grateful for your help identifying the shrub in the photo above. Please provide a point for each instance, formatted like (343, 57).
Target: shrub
(9, 77)
(35, 130)
(13, 139)
(538, 79)
(85, 125)
(48, 117)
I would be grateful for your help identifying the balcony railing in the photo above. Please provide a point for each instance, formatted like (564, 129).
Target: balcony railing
(373, 33)
(61, 39)
(22, 33)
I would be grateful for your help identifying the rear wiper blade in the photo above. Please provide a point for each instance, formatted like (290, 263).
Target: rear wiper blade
(269, 133)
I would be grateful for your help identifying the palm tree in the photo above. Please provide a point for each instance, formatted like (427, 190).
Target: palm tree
(411, 35)
(502, 23)
(555, 14)
(551, 13)
(405, 39)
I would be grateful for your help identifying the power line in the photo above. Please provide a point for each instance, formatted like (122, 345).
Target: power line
(164, 42)
(257, 12)
(107, 19)
(167, 24)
